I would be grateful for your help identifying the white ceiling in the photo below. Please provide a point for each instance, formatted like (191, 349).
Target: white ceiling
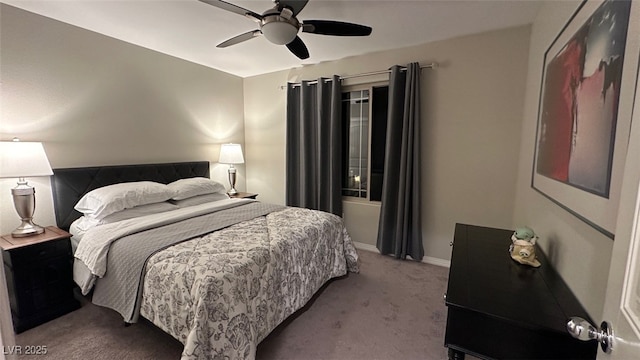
(190, 30)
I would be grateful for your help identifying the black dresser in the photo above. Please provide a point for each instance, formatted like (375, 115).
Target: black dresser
(500, 309)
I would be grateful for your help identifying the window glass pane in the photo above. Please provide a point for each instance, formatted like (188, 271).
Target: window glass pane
(364, 115)
(364, 144)
(355, 111)
(379, 104)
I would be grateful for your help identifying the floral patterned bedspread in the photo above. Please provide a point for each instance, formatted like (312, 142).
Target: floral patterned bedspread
(223, 293)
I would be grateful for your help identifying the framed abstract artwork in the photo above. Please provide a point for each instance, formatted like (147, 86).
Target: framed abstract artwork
(584, 113)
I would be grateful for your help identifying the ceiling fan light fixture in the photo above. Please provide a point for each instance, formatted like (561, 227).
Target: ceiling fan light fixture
(279, 31)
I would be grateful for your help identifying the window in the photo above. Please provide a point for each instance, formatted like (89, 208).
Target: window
(364, 116)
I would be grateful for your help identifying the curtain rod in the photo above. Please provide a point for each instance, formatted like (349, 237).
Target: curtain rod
(380, 72)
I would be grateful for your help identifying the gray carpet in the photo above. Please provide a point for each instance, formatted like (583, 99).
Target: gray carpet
(391, 310)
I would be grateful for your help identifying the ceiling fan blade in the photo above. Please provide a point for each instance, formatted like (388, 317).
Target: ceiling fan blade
(336, 28)
(240, 38)
(295, 5)
(298, 48)
(234, 9)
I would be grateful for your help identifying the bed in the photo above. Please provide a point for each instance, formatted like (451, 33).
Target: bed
(218, 275)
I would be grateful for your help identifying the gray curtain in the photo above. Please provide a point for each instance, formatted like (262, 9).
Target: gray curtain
(314, 145)
(399, 229)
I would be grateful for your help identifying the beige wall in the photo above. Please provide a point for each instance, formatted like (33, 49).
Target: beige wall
(472, 113)
(580, 254)
(94, 100)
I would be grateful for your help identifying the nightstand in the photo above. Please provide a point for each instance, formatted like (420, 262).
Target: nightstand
(243, 195)
(39, 277)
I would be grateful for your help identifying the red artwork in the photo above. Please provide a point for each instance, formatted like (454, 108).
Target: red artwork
(580, 102)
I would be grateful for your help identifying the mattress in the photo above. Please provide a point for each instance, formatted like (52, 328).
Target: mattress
(76, 235)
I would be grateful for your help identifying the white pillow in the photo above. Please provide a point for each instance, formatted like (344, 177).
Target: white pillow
(85, 223)
(200, 199)
(186, 188)
(109, 199)
(138, 211)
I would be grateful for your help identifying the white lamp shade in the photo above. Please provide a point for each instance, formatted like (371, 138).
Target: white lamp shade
(20, 159)
(231, 154)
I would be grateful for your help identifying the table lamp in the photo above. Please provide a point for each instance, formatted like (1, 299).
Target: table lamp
(231, 154)
(19, 160)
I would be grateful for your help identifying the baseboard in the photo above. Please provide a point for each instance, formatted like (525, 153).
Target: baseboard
(426, 259)
(364, 246)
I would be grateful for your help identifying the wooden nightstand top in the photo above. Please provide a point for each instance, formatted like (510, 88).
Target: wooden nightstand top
(8, 242)
(243, 195)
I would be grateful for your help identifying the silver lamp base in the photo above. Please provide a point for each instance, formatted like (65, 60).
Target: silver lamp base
(27, 228)
(232, 180)
(24, 201)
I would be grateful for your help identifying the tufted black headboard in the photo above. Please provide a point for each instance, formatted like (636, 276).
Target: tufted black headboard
(70, 184)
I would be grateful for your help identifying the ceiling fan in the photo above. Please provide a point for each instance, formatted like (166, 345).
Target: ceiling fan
(280, 25)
